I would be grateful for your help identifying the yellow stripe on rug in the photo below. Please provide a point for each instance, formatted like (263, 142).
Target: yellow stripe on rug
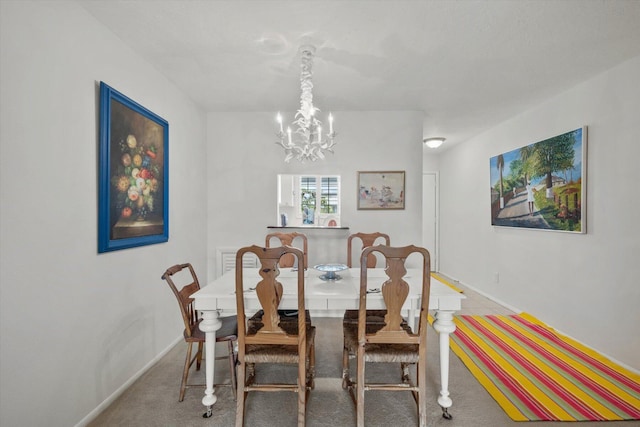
(439, 278)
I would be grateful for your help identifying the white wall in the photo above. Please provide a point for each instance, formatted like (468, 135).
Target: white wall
(75, 325)
(244, 162)
(585, 285)
(430, 159)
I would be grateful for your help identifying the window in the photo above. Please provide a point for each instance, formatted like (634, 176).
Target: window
(312, 200)
(329, 195)
(308, 199)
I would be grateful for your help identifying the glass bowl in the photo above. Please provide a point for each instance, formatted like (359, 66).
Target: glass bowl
(330, 271)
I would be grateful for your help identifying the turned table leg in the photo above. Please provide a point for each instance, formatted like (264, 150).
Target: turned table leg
(444, 325)
(209, 325)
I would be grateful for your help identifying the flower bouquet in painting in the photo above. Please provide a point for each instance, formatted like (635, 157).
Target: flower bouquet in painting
(136, 180)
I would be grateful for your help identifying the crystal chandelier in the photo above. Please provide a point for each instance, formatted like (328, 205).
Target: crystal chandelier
(308, 141)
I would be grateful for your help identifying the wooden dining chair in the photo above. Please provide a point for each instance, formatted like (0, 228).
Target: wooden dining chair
(393, 341)
(367, 240)
(192, 333)
(288, 260)
(287, 239)
(273, 341)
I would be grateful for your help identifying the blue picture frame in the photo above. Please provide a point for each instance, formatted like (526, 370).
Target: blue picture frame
(133, 177)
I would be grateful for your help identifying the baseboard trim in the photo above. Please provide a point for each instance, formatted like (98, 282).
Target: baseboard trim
(484, 294)
(109, 400)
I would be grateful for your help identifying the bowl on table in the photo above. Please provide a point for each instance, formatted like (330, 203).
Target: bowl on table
(330, 271)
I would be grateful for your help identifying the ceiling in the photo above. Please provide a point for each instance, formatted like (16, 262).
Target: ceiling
(468, 65)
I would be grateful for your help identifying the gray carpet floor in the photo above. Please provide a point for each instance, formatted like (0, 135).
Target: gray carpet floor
(153, 399)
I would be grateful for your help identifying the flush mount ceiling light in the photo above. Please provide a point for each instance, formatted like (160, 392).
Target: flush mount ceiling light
(434, 142)
(307, 141)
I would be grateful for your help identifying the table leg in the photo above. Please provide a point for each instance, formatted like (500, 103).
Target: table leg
(209, 325)
(444, 325)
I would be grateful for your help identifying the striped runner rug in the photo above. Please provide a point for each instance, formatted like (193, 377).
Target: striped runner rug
(537, 374)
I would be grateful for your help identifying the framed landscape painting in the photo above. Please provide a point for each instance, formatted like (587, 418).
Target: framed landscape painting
(381, 190)
(133, 174)
(542, 185)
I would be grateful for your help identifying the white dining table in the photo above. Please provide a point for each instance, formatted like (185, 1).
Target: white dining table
(324, 297)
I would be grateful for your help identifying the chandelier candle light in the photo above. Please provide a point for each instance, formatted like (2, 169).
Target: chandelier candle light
(307, 142)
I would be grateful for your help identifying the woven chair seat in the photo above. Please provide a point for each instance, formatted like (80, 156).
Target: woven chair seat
(400, 353)
(286, 316)
(278, 353)
(373, 316)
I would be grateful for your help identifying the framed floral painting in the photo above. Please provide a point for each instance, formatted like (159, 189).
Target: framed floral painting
(381, 190)
(133, 174)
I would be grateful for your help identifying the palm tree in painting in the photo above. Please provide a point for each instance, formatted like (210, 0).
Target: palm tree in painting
(500, 169)
(526, 153)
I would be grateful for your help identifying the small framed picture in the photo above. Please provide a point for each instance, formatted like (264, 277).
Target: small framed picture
(381, 190)
(133, 177)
